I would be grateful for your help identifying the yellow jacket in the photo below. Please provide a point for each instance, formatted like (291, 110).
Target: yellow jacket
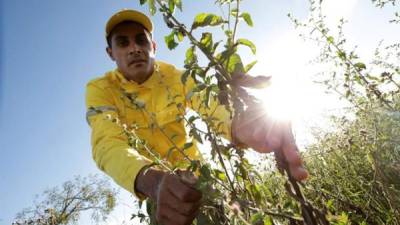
(106, 97)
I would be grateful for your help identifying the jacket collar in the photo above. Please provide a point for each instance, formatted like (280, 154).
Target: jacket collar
(131, 86)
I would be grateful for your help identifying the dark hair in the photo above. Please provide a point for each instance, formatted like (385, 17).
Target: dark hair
(110, 34)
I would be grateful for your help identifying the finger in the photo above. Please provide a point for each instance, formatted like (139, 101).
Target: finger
(292, 154)
(188, 177)
(184, 208)
(182, 191)
(298, 172)
(245, 80)
(170, 216)
(168, 199)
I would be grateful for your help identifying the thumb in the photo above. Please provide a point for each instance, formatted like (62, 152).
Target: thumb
(187, 177)
(245, 80)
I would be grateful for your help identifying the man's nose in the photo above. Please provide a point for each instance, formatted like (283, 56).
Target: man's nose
(134, 48)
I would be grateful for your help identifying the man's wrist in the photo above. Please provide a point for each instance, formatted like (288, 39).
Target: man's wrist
(147, 182)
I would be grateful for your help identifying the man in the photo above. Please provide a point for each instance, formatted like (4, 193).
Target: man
(153, 83)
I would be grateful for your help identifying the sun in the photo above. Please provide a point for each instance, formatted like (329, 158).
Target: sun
(292, 95)
(288, 100)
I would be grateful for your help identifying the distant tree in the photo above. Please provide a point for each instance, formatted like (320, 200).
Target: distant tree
(64, 205)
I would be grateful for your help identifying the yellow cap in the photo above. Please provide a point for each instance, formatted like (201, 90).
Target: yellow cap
(129, 15)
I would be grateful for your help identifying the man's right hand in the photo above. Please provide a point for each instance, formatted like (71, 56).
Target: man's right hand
(176, 198)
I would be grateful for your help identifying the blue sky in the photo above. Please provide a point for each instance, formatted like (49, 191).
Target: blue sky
(51, 49)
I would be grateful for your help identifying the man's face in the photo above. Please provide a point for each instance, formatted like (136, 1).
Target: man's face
(133, 51)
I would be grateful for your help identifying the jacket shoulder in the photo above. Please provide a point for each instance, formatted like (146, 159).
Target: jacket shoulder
(168, 69)
(169, 72)
(101, 82)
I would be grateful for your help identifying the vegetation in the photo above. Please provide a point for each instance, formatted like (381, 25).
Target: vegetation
(65, 204)
(354, 170)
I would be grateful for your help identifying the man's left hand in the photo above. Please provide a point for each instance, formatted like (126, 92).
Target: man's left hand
(255, 129)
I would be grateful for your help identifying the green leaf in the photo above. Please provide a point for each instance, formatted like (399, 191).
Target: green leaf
(170, 40)
(208, 95)
(190, 56)
(343, 219)
(192, 119)
(249, 66)
(247, 43)
(196, 135)
(341, 54)
(206, 19)
(194, 164)
(216, 45)
(267, 220)
(171, 6)
(370, 158)
(348, 93)
(220, 175)
(185, 76)
(257, 218)
(234, 11)
(225, 55)
(228, 33)
(329, 204)
(207, 41)
(187, 145)
(179, 35)
(205, 171)
(235, 64)
(255, 191)
(152, 7)
(178, 4)
(203, 219)
(330, 39)
(247, 18)
(360, 66)
(199, 87)
(142, 2)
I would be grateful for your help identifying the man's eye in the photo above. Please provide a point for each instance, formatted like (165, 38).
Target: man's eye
(122, 43)
(141, 40)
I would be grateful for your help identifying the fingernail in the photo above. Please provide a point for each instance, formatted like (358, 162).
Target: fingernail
(302, 173)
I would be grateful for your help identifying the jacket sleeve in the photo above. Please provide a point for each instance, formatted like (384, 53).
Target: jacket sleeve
(110, 147)
(222, 117)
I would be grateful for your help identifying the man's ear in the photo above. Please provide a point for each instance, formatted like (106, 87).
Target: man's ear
(109, 52)
(154, 46)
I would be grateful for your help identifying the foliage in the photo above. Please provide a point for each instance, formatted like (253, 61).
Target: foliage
(354, 170)
(64, 205)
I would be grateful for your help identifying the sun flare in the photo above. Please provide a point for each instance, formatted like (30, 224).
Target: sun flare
(292, 95)
(289, 100)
